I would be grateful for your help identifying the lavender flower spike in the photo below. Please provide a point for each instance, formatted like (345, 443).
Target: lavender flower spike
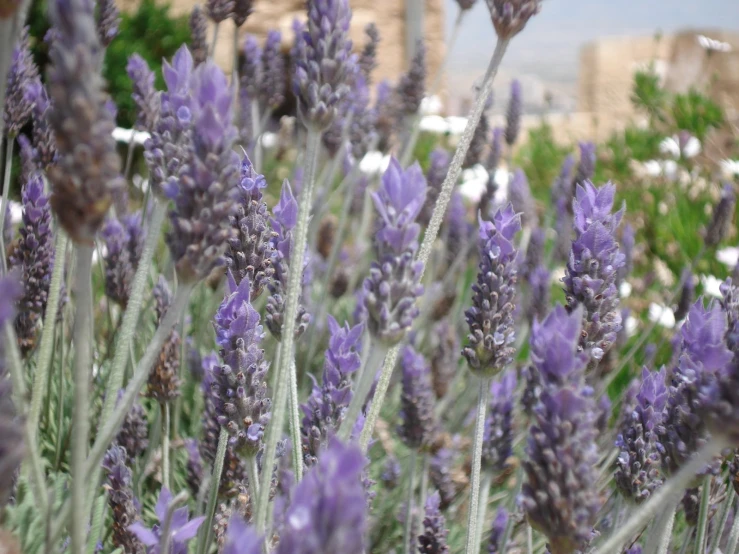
(86, 177)
(433, 539)
(124, 242)
(523, 202)
(595, 259)
(510, 16)
(513, 114)
(412, 85)
(243, 406)
(723, 216)
(109, 17)
(183, 529)
(586, 167)
(241, 538)
(323, 59)
(273, 83)
(23, 71)
(44, 143)
(490, 319)
(164, 379)
(391, 290)
(328, 508)
(498, 531)
(121, 500)
(418, 428)
(497, 445)
(198, 35)
(144, 94)
(326, 407)
(368, 58)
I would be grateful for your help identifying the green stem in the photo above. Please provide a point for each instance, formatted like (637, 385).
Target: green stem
(4, 203)
(455, 168)
(98, 518)
(472, 518)
(733, 537)
(60, 404)
(487, 480)
(722, 525)
(529, 539)
(80, 412)
(294, 285)
(701, 531)
(215, 39)
(255, 131)
(165, 444)
(129, 156)
(295, 437)
(166, 533)
(252, 472)
(206, 531)
(363, 386)
(666, 495)
(409, 503)
(661, 533)
(376, 403)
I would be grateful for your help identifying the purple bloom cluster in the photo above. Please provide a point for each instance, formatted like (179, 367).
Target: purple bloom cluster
(586, 166)
(144, 93)
(513, 114)
(108, 19)
(121, 500)
(498, 531)
(590, 275)
(362, 133)
(444, 357)
(182, 528)
(219, 10)
(327, 404)
(243, 406)
(412, 85)
(433, 539)
(510, 16)
(198, 35)
(86, 177)
(497, 445)
(134, 433)
(22, 72)
(391, 290)
(637, 467)
(44, 143)
(368, 58)
(519, 194)
(164, 379)
(323, 59)
(124, 243)
(439, 161)
(272, 86)
(418, 428)
(478, 144)
(490, 319)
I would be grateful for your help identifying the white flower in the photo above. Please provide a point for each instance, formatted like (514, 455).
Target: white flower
(728, 256)
(624, 289)
(711, 285)
(434, 124)
(630, 325)
(729, 168)
(431, 105)
(374, 162)
(662, 315)
(474, 182)
(670, 146)
(713, 45)
(124, 135)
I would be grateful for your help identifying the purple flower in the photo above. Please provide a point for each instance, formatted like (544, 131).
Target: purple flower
(121, 500)
(44, 143)
(439, 160)
(251, 253)
(723, 217)
(108, 20)
(362, 132)
(554, 352)
(285, 218)
(124, 243)
(586, 167)
(465, 5)
(433, 539)
(391, 290)
(194, 466)
(687, 295)
(86, 177)
(368, 58)
(22, 72)
(242, 9)
(134, 432)
(490, 319)
(444, 357)
(250, 72)
(385, 102)
(496, 149)
(328, 510)
(539, 292)
(590, 275)
(498, 531)
(523, 202)
(440, 472)
(510, 16)
(322, 62)
(164, 379)
(33, 257)
(324, 411)
(514, 113)
(273, 83)
(418, 427)
(219, 10)
(637, 467)
(198, 35)
(479, 143)
(241, 538)
(391, 471)
(412, 85)
(459, 230)
(243, 406)
(144, 93)
(182, 528)
(497, 445)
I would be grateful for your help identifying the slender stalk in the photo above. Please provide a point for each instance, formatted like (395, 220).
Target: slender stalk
(661, 533)
(98, 518)
(256, 129)
(80, 413)
(286, 365)
(529, 539)
(473, 512)
(363, 385)
(455, 168)
(129, 155)
(409, 503)
(4, 203)
(215, 39)
(294, 406)
(733, 537)
(702, 530)
(718, 531)
(235, 66)
(252, 472)
(376, 403)
(206, 531)
(166, 533)
(165, 445)
(667, 494)
(59, 404)
(487, 480)
(447, 54)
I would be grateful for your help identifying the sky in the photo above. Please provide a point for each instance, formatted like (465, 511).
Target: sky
(549, 46)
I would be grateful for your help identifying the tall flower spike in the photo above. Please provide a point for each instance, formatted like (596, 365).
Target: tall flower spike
(586, 166)
(412, 85)
(362, 130)
(418, 428)
(478, 144)
(124, 242)
(324, 411)
(490, 319)
(164, 379)
(498, 531)
(182, 528)
(433, 539)
(723, 216)
(439, 160)
(44, 143)
(322, 61)
(328, 511)
(121, 500)
(242, 9)
(514, 113)
(497, 445)
(33, 256)
(534, 253)
(273, 83)
(250, 253)
(250, 71)
(595, 259)
(241, 538)
(687, 295)
(243, 406)
(444, 358)
(203, 196)
(368, 57)
(198, 35)
(540, 289)
(393, 285)
(86, 177)
(22, 72)
(219, 10)
(134, 433)
(194, 466)
(283, 222)
(523, 202)
(510, 16)
(108, 20)
(637, 467)
(144, 93)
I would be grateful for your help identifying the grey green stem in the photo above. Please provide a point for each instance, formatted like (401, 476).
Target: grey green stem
(733, 537)
(455, 168)
(96, 527)
(166, 533)
(701, 531)
(286, 365)
(472, 544)
(362, 387)
(661, 532)
(204, 536)
(294, 406)
(487, 480)
(376, 403)
(718, 531)
(6, 191)
(413, 462)
(165, 444)
(667, 494)
(80, 413)
(256, 130)
(252, 472)
(129, 155)
(215, 39)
